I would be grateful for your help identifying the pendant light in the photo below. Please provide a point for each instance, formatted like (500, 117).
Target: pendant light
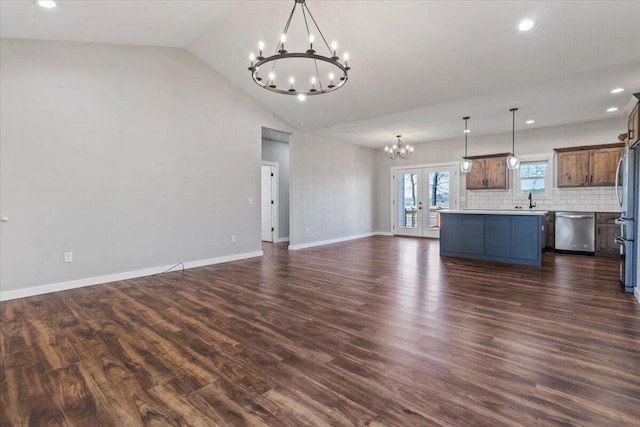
(513, 162)
(465, 166)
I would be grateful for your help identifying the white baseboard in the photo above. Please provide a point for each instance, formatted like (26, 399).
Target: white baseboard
(329, 241)
(282, 240)
(636, 293)
(90, 281)
(383, 233)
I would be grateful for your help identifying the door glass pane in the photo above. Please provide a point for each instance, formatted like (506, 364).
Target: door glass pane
(408, 203)
(438, 196)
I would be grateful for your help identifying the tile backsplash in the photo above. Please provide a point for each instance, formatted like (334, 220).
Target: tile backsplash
(593, 199)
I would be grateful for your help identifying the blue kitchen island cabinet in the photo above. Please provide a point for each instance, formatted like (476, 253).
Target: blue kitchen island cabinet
(503, 236)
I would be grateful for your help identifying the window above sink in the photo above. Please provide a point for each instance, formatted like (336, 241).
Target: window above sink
(534, 176)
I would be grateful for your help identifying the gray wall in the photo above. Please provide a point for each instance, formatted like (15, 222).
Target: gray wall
(332, 189)
(278, 152)
(139, 157)
(532, 141)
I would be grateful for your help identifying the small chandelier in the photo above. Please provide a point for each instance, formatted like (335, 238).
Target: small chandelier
(325, 72)
(398, 150)
(467, 164)
(513, 162)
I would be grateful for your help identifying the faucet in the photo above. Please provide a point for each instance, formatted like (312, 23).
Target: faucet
(531, 204)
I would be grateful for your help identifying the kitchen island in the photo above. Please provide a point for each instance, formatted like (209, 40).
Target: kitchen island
(511, 236)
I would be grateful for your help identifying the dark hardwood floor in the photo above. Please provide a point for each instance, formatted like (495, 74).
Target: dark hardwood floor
(379, 331)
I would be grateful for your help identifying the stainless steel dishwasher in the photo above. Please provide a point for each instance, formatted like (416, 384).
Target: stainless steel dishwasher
(575, 231)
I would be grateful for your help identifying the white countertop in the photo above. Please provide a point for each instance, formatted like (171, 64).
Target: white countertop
(496, 211)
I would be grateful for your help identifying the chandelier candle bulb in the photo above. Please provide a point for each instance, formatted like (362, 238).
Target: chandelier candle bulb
(252, 58)
(334, 46)
(292, 81)
(313, 84)
(283, 38)
(261, 48)
(311, 40)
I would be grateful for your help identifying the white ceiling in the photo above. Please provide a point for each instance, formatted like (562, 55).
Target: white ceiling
(417, 66)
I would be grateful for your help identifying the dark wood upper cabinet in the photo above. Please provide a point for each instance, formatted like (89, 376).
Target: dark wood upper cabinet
(488, 172)
(476, 177)
(634, 123)
(588, 166)
(573, 169)
(603, 165)
(496, 172)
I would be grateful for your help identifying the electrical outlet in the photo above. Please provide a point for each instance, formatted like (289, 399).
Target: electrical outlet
(250, 200)
(233, 238)
(307, 229)
(68, 256)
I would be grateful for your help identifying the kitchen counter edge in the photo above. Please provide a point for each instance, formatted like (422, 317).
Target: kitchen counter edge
(494, 212)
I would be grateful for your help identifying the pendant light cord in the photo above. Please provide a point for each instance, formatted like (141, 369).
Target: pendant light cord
(465, 135)
(513, 132)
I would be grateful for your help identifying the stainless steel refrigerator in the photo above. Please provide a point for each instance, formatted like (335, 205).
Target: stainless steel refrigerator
(627, 187)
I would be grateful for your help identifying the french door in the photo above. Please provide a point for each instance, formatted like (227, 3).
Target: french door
(420, 194)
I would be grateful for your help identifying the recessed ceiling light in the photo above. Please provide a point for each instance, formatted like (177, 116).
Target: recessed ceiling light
(612, 109)
(530, 122)
(46, 3)
(617, 90)
(526, 25)
(301, 97)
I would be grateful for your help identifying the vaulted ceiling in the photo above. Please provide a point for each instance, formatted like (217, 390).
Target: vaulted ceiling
(418, 67)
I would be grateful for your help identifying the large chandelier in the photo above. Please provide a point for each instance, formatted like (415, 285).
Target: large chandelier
(398, 150)
(305, 72)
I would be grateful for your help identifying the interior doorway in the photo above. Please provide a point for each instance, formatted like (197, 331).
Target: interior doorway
(268, 201)
(419, 195)
(275, 160)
